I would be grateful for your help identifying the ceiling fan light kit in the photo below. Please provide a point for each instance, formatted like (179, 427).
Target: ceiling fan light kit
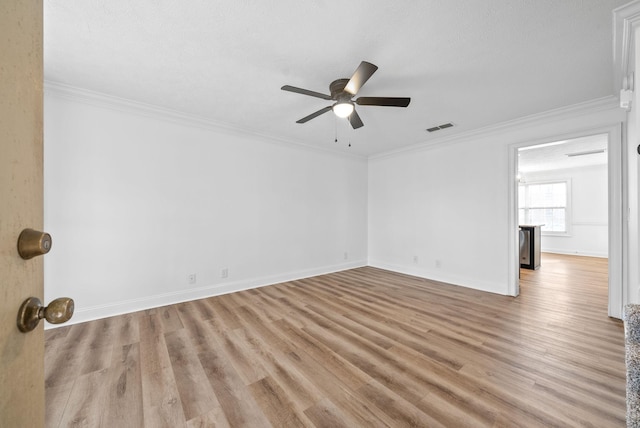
(343, 109)
(343, 90)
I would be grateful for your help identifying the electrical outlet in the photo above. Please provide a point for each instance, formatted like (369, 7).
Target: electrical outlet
(346, 255)
(438, 263)
(191, 278)
(415, 259)
(224, 273)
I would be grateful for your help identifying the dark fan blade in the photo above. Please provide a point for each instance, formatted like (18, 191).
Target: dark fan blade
(364, 71)
(305, 92)
(383, 101)
(312, 115)
(355, 120)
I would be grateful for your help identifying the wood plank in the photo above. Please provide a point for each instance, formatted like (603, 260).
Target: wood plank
(169, 318)
(124, 398)
(238, 404)
(276, 405)
(86, 403)
(403, 413)
(196, 394)
(154, 355)
(64, 363)
(363, 347)
(56, 403)
(326, 414)
(162, 406)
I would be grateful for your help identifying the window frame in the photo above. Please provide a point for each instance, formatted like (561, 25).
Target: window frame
(567, 208)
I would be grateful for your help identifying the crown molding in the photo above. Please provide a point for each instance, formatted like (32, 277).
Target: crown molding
(124, 105)
(597, 105)
(98, 99)
(626, 19)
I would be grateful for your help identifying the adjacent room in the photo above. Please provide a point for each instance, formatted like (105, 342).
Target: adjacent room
(563, 200)
(330, 214)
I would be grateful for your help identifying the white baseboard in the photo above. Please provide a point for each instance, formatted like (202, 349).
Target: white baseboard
(575, 253)
(91, 313)
(437, 275)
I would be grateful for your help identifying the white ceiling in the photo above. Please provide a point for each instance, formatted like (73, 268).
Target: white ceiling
(470, 62)
(553, 156)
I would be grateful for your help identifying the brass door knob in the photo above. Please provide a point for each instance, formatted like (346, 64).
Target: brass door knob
(33, 243)
(32, 311)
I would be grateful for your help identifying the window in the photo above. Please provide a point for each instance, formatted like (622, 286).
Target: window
(546, 204)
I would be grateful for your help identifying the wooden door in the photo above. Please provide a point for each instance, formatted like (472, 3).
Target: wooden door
(21, 206)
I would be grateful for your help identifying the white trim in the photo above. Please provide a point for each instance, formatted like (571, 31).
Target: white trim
(513, 239)
(438, 276)
(590, 223)
(625, 19)
(575, 253)
(124, 105)
(90, 313)
(557, 234)
(594, 106)
(618, 200)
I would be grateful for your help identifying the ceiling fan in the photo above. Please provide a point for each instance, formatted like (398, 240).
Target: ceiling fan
(342, 92)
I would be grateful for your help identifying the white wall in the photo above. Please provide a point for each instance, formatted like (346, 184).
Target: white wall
(589, 211)
(444, 205)
(138, 199)
(449, 204)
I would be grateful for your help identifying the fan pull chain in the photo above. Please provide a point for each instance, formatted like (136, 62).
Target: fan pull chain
(336, 134)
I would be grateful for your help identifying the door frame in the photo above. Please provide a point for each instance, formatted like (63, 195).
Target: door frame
(617, 196)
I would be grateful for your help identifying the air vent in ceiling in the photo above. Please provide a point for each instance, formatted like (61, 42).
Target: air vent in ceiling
(439, 127)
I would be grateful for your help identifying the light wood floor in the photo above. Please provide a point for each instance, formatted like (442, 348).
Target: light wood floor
(360, 348)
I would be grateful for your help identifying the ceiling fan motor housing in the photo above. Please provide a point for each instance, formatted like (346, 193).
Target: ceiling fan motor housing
(337, 89)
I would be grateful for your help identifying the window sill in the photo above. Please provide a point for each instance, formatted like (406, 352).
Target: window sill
(556, 234)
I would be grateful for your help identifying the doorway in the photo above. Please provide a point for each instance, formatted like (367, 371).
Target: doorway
(572, 185)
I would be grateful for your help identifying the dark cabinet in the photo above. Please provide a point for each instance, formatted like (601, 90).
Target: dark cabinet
(530, 246)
